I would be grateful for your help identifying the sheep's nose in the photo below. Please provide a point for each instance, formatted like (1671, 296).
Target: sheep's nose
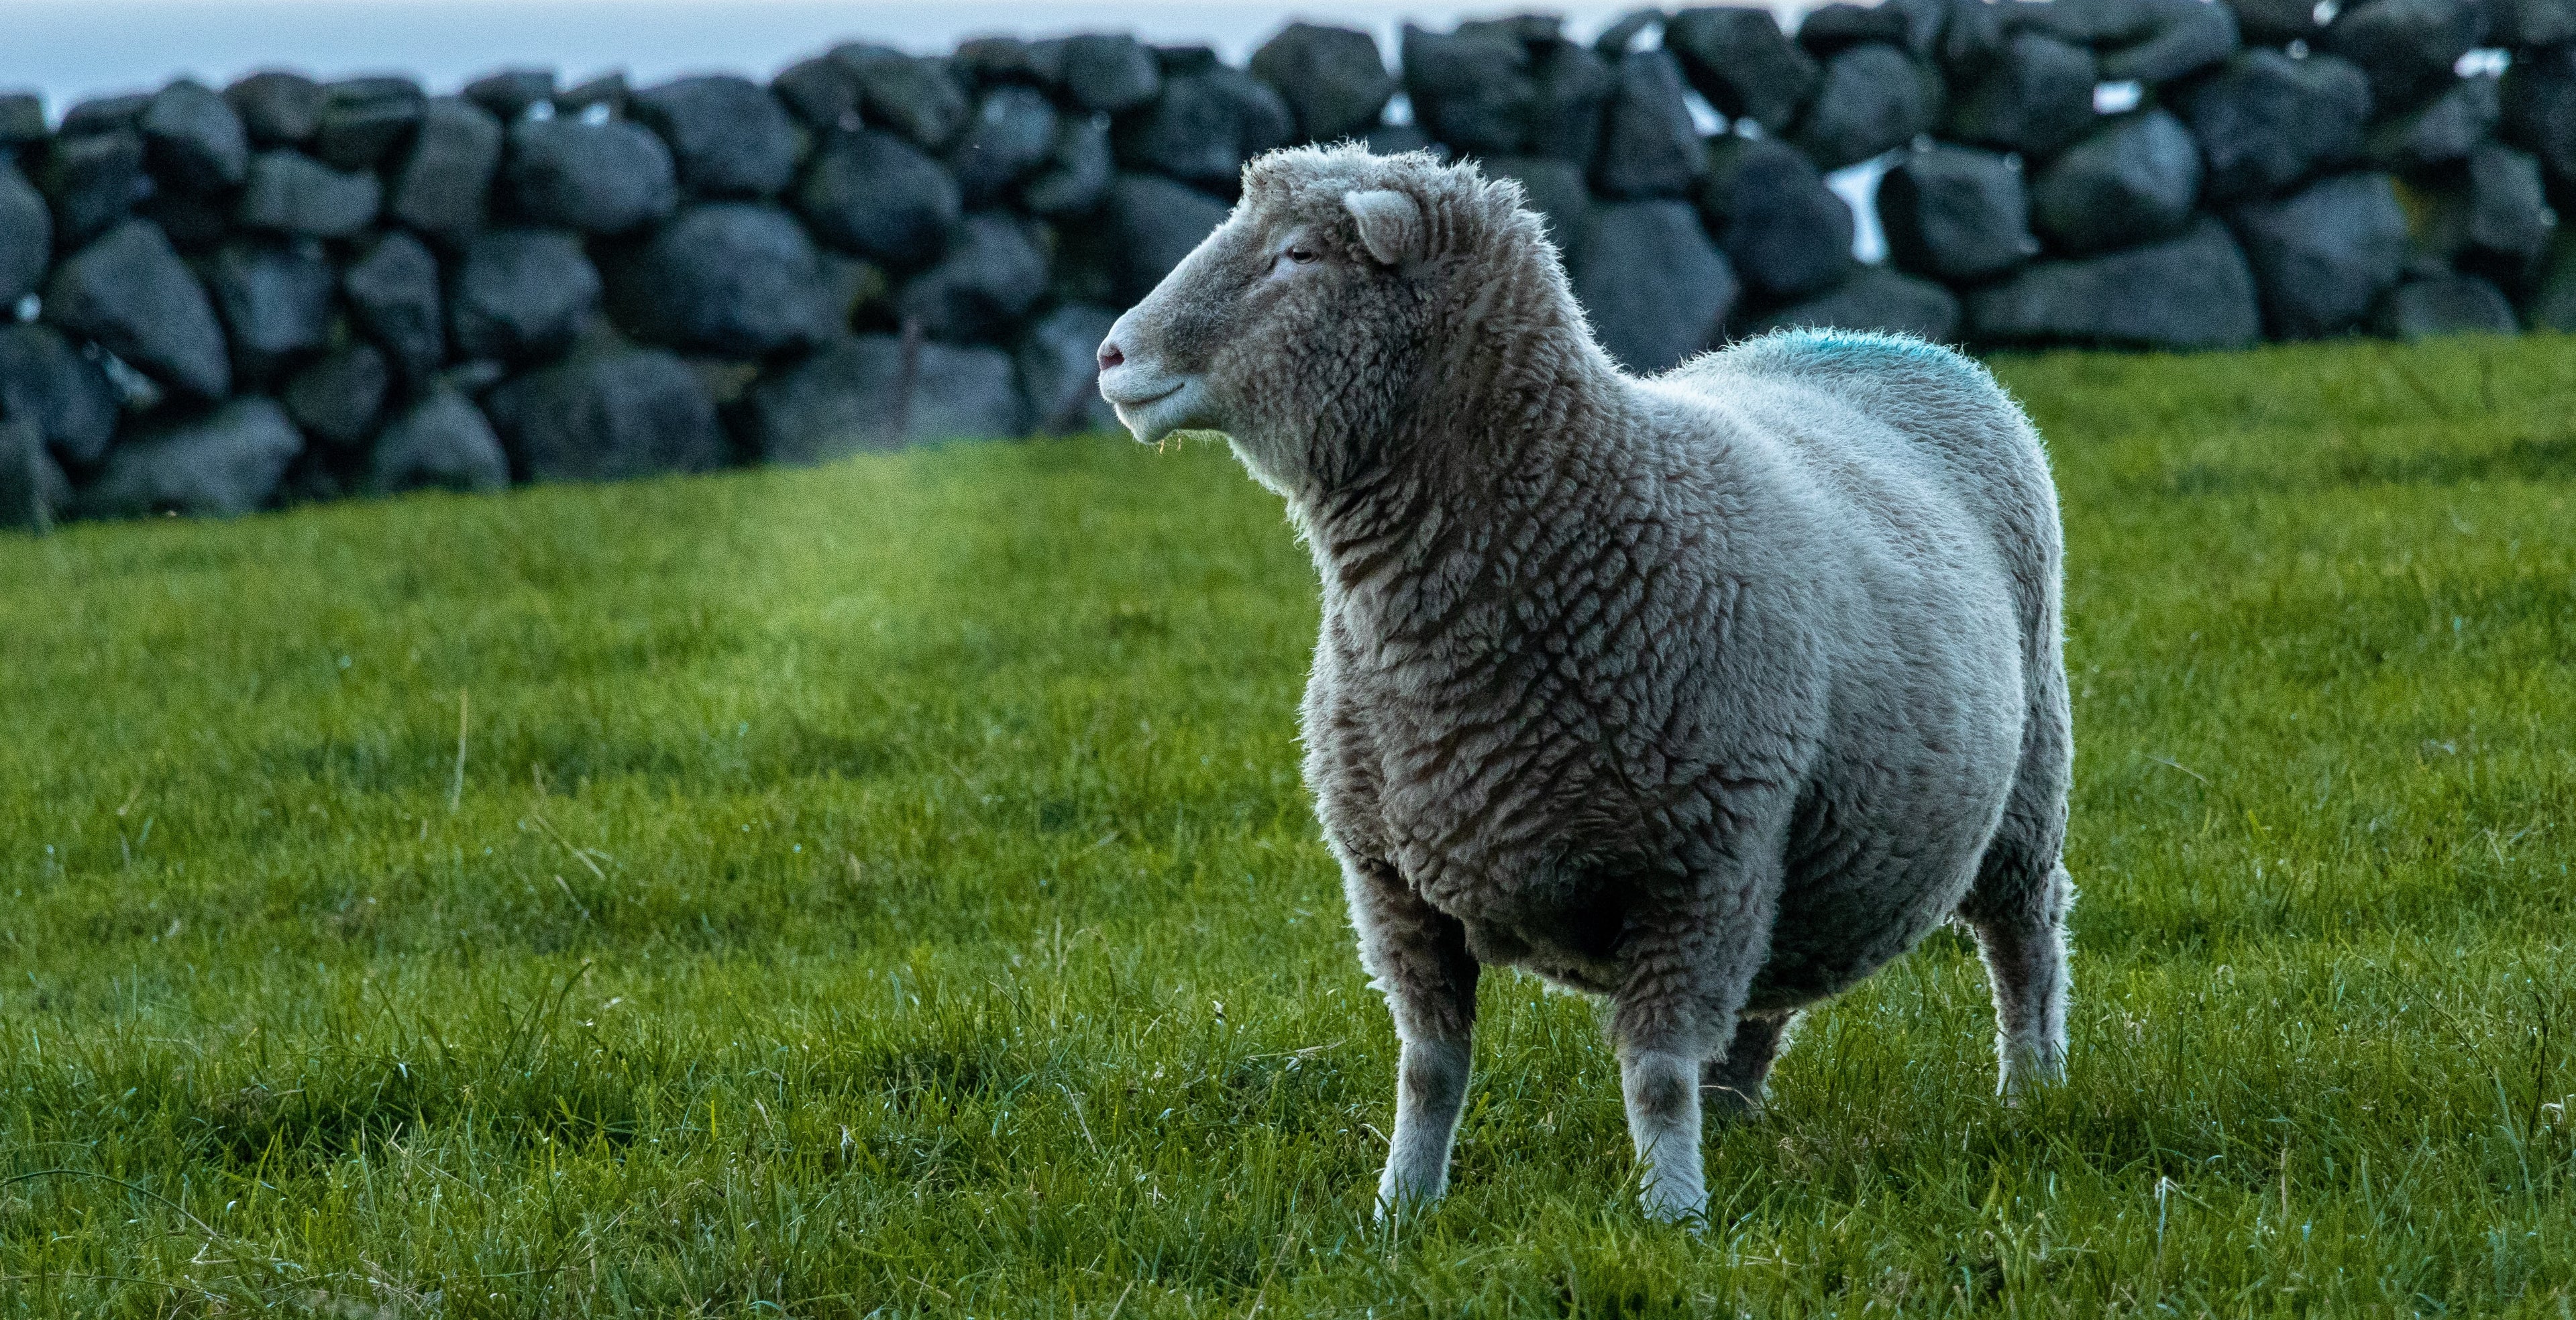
(1109, 354)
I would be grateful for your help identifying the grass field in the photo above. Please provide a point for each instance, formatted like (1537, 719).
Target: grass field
(888, 890)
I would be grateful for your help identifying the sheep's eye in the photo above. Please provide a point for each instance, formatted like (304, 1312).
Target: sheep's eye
(1301, 256)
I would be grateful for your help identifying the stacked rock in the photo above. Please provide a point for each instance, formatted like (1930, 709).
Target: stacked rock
(217, 301)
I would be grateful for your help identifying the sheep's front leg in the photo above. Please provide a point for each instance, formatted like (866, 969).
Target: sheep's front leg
(1418, 956)
(1691, 957)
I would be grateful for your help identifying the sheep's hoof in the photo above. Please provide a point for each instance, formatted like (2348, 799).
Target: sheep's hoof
(1394, 1203)
(1670, 1209)
(2025, 1077)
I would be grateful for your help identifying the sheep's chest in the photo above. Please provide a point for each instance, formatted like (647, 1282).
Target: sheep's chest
(1480, 800)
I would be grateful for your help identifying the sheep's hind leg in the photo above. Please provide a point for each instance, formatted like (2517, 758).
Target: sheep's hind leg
(2020, 923)
(1419, 958)
(1731, 1085)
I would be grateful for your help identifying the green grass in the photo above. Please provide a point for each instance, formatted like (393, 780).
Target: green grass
(888, 889)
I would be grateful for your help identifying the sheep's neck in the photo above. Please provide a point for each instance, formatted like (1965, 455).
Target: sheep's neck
(1512, 387)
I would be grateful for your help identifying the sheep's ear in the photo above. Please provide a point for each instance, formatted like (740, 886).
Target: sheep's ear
(1390, 224)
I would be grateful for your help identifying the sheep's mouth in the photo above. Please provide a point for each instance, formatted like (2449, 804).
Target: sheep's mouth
(1154, 416)
(1150, 400)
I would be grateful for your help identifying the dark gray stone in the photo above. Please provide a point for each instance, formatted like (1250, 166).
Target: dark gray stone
(440, 443)
(2132, 181)
(608, 93)
(1743, 63)
(106, 114)
(22, 120)
(732, 279)
(508, 94)
(46, 381)
(728, 136)
(999, 61)
(2277, 22)
(2406, 47)
(1531, 30)
(1013, 136)
(2323, 256)
(1059, 368)
(1157, 222)
(878, 195)
(1621, 35)
(520, 294)
(1874, 98)
(277, 108)
(1874, 298)
(1828, 30)
(1204, 127)
(822, 92)
(1109, 74)
(1972, 37)
(2185, 293)
(2266, 121)
(445, 182)
(1956, 213)
(1786, 233)
(364, 119)
(2184, 37)
(193, 140)
(2087, 22)
(129, 291)
(2553, 295)
(2539, 94)
(993, 273)
(32, 489)
(2441, 130)
(870, 393)
(26, 237)
(93, 181)
(394, 294)
(1396, 139)
(851, 287)
(2037, 100)
(1178, 61)
(221, 465)
(1649, 147)
(288, 192)
(473, 378)
(2530, 24)
(609, 178)
(337, 399)
(2489, 214)
(275, 300)
(1656, 288)
(2509, 214)
(1334, 79)
(1078, 169)
(2449, 305)
(194, 222)
(1471, 90)
(916, 96)
(608, 417)
(1553, 188)
(1569, 100)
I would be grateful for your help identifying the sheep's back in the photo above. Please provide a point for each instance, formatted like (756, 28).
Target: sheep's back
(1922, 421)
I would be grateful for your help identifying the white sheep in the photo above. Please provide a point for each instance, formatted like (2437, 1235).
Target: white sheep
(1711, 693)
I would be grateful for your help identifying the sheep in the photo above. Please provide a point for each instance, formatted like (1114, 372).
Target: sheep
(1710, 693)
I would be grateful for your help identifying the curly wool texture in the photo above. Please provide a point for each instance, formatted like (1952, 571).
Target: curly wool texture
(1711, 692)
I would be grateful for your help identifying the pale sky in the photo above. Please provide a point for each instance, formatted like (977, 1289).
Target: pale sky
(70, 49)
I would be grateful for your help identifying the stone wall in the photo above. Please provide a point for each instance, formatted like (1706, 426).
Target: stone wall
(213, 302)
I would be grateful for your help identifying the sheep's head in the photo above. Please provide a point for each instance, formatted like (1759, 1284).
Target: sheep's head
(1303, 326)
